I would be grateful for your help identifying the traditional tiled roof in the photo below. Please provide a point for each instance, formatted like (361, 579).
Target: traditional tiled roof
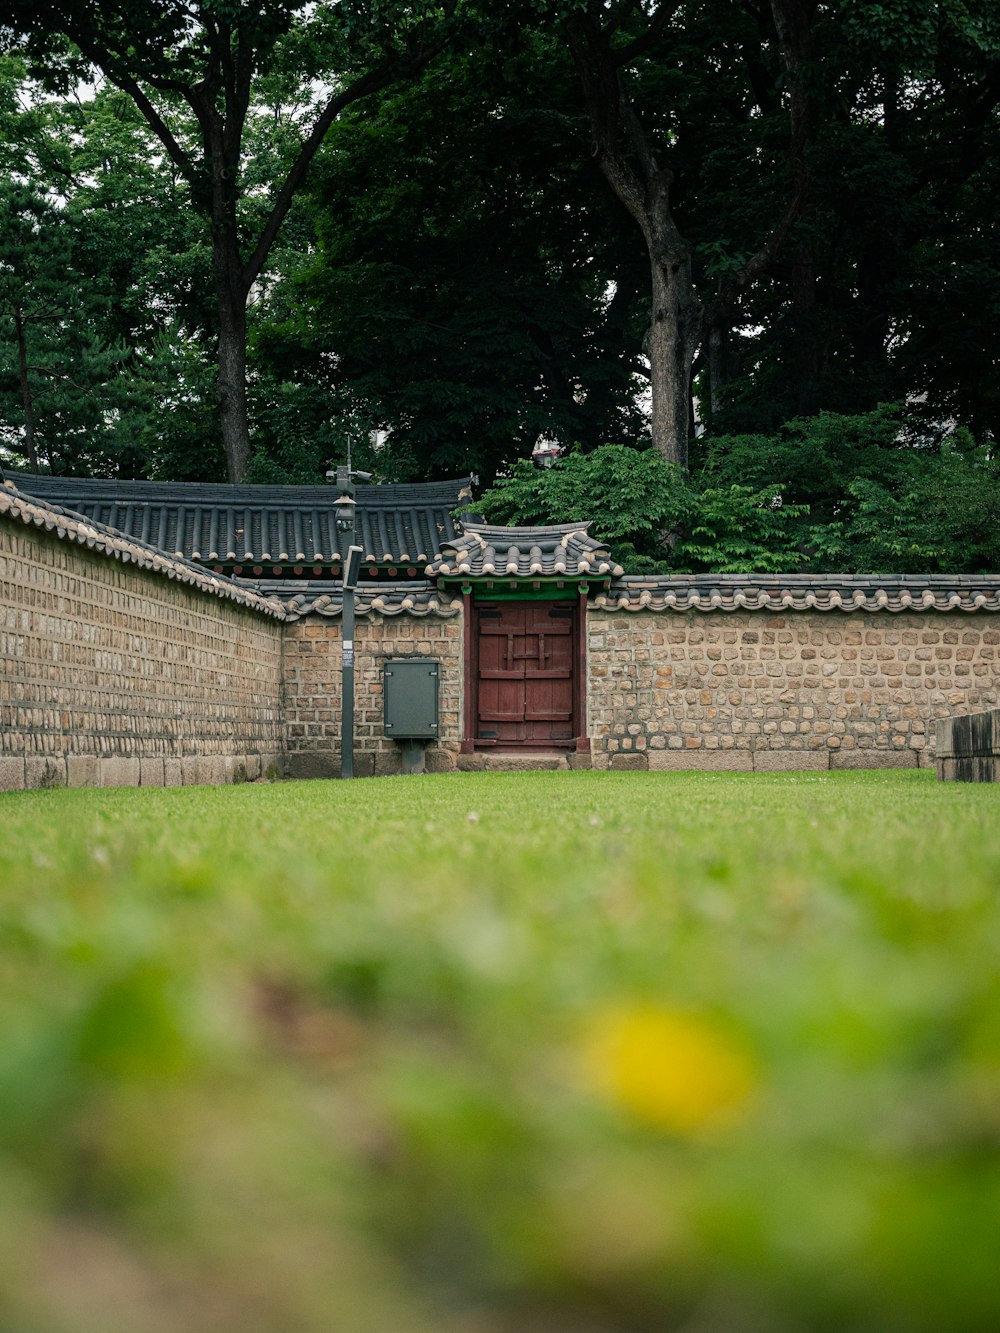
(326, 598)
(68, 526)
(287, 526)
(803, 592)
(564, 550)
(154, 513)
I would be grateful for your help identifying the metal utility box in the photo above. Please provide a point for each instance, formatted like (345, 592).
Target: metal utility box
(410, 691)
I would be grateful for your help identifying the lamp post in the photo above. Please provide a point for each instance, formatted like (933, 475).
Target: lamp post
(345, 511)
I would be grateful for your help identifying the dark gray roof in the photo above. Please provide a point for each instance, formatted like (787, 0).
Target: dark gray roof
(220, 524)
(564, 550)
(803, 592)
(69, 526)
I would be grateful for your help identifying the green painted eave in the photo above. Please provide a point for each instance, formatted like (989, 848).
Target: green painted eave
(523, 589)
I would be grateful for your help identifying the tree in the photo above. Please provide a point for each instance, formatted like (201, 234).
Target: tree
(726, 529)
(458, 297)
(887, 286)
(86, 323)
(857, 494)
(30, 251)
(192, 70)
(606, 42)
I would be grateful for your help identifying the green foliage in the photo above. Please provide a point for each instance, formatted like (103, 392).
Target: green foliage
(812, 458)
(944, 514)
(459, 296)
(652, 515)
(882, 493)
(736, 529)
(456, 274)
(633, 498)
(246, 1082)
(854, 494)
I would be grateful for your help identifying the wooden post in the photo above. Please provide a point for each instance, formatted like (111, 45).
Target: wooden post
(580, 677)
(469, 691)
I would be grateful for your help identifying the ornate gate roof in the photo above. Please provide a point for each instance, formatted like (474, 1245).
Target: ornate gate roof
(560, 551)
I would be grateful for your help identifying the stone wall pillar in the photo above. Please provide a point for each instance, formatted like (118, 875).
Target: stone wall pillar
(968, 748)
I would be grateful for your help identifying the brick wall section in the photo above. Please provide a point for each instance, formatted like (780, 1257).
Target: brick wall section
(312, 691)
(756, 691)
(117, 675)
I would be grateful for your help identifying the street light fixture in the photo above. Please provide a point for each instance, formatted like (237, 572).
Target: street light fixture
(345, 516)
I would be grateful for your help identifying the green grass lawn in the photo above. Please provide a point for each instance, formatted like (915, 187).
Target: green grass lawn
(527, 1053)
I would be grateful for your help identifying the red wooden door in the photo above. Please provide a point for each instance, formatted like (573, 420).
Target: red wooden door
(525, 672)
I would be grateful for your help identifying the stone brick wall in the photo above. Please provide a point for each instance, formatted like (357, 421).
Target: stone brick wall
(118, 675)
(806, 689)
(312, 691)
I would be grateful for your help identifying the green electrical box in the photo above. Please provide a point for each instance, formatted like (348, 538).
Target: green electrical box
(410, 692)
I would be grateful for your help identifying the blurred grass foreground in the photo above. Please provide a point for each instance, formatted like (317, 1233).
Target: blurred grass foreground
(528, 1053)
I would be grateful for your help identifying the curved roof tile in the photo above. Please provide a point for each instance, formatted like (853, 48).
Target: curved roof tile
(804, 592)
(326, 598)
(564, 550)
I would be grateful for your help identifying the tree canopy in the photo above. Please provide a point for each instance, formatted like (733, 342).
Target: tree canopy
(237, 237)
(198, 73)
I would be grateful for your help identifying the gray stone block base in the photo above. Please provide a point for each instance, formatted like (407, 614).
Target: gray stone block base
(968, 748)
(870, 758)
(486, 761)
(151, 772)
(90, 770)
(11, 773)
(629, 763)
(700, 761)
(440, 760)
(313, 764)
(790, 761)
(83, 770)
(44, 772)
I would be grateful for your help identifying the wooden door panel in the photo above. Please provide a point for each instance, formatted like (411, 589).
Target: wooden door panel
(550, 699)
(497, 642)
(525, 674)
(548, 705)
(503, 702)
(500, 631)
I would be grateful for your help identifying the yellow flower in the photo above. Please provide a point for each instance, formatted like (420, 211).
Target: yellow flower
(667, 1067)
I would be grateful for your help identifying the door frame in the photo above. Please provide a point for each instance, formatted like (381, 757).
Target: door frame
(580, 742)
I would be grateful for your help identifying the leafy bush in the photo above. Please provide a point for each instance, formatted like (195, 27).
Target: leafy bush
(651, 515)
(634, 499)
(852, 494)
(943, 513)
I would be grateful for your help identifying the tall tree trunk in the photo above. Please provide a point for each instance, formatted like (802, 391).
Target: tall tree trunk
(222, 136)
(624, 153)
(30, 451)
(231, 382)
(226, 48)
(644, 189)
(674, 330)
